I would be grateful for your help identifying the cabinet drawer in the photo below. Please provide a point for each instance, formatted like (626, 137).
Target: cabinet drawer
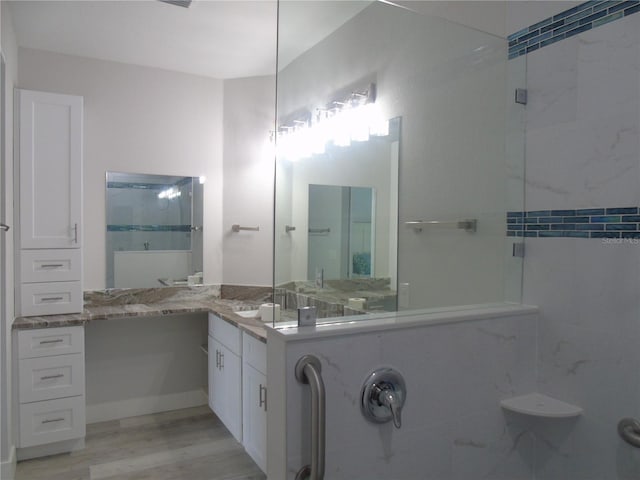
(46, 378)
(254, 352)
(52, 421)
(50, 298)
(61, 265)
(50, 341)
(227, 334)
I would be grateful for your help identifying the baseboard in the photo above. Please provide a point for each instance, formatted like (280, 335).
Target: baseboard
(8, 467)
(103, 412)
(47, 449)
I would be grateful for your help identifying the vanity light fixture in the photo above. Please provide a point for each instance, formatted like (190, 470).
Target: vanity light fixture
(352, 119)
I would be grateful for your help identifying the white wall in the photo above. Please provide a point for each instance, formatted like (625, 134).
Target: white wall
(486, 16)
(136, 366)
(249, 106)
(10, 50)
(583, 123)
(138, 120)
(453, 104)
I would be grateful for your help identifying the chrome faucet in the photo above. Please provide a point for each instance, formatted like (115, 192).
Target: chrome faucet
(383, 396)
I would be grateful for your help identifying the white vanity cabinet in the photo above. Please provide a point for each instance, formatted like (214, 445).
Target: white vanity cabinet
(254, 399)
(50, 390)
(49, 203)
(225, 374)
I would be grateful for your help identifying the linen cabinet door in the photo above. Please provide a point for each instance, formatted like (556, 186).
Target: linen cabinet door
(50, 153)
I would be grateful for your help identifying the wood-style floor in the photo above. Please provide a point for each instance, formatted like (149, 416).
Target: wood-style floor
(189, 444)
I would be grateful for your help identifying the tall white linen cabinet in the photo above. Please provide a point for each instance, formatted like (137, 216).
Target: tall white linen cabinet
(49, 377)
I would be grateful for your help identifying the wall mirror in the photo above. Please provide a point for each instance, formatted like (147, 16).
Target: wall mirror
(154, 230)
(341, 235)
(337, 226)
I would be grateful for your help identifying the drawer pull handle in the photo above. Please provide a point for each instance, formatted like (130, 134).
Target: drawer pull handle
(50, 377)
(51, 299)
(221, 361)
(57, 340)
(53, 420)
(52, 265)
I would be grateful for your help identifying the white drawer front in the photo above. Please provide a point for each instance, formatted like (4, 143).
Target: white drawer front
(60, 265)
(50, 341)
(227, 334)
(52, 421)
(254, 352)
(46, 378)
(50, 298)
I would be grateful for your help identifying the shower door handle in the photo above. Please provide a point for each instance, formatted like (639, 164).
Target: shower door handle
(308, 371)
(4, 227)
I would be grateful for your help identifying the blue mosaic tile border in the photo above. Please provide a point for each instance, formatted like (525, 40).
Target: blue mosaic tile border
(148, 228)
(566, 24)
(581, 223)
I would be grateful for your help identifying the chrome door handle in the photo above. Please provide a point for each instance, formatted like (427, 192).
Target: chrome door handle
(4, 227)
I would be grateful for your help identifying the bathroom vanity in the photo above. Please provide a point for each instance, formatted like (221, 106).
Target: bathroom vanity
(49, 373)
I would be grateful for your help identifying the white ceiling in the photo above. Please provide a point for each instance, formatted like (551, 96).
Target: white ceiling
(214, 38)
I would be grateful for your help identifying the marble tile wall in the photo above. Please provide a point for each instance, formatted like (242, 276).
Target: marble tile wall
(453, 426)
(583, 121)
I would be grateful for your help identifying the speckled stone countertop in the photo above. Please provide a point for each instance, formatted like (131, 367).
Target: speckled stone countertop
(152, 302)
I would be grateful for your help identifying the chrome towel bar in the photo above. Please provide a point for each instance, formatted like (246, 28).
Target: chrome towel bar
(308, 371)
(319, 230)
(469, 225)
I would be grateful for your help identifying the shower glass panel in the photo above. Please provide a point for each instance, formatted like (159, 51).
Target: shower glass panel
(420, 112)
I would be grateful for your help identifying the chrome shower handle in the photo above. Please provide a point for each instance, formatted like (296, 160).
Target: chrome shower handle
(382, 396)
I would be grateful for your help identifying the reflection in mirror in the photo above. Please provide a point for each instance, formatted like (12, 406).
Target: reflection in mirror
(154, 230)
(343, 202)
(340, 232)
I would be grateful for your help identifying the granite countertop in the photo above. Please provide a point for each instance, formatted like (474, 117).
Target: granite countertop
(132, 303)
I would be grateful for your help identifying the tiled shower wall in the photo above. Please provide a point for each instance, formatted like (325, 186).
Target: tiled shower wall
(582, 184)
